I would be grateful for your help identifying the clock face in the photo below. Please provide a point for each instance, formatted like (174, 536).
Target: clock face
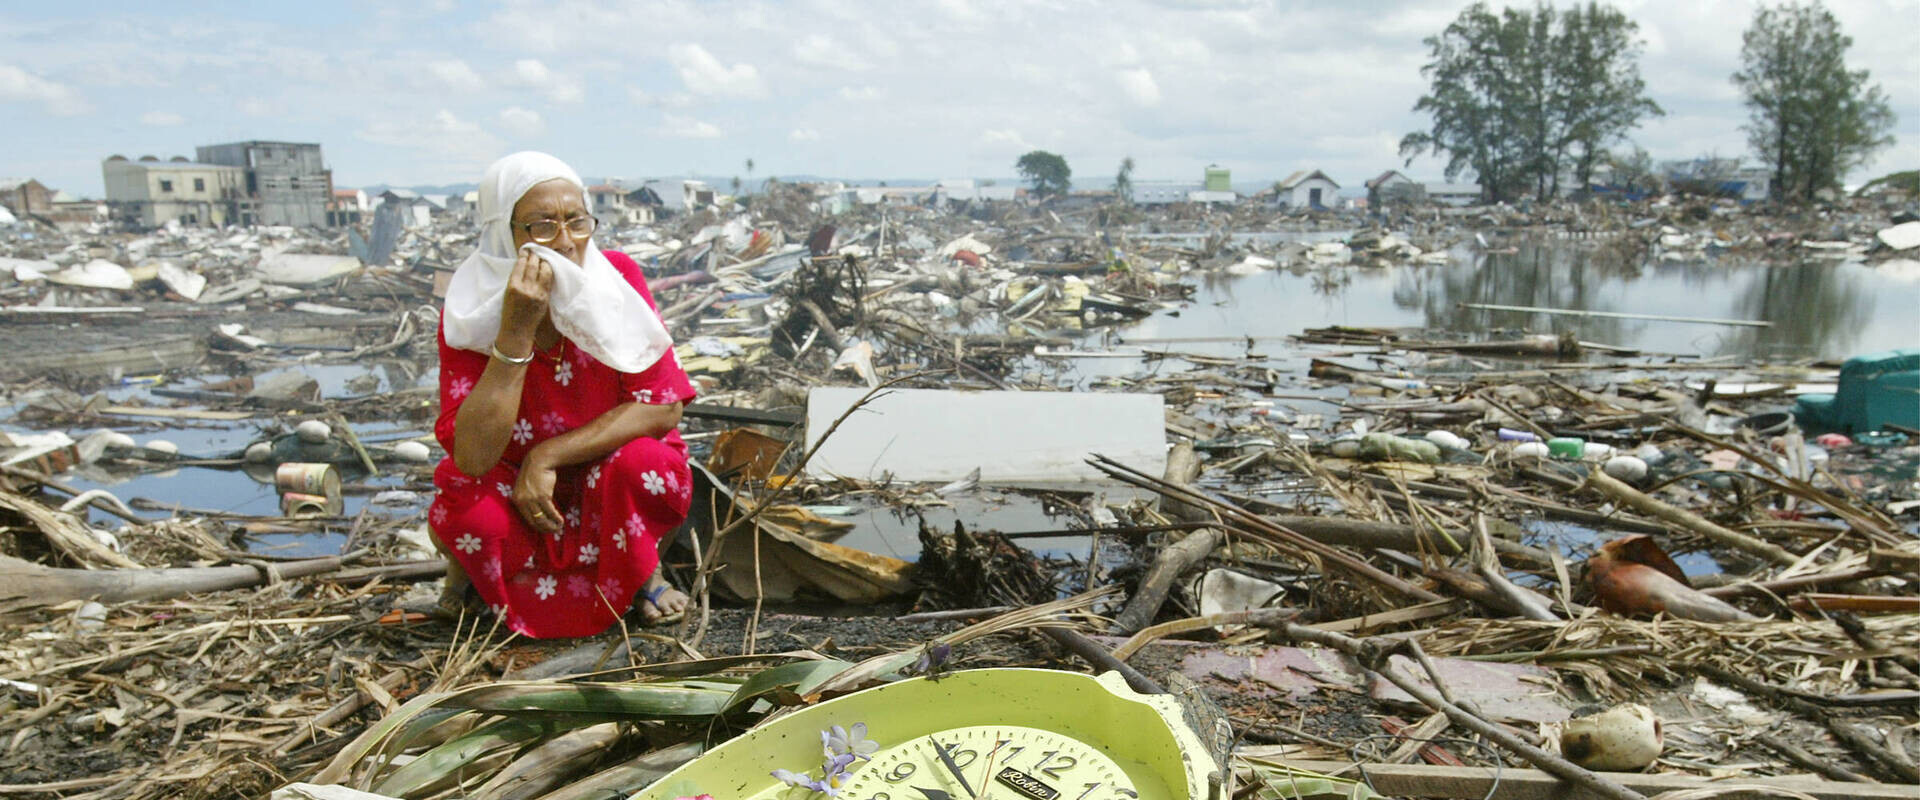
(990, 762)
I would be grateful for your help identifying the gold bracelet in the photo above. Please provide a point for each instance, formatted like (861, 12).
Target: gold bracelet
(522, 361)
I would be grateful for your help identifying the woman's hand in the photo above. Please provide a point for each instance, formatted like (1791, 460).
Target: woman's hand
(528, 288)
(533, 494)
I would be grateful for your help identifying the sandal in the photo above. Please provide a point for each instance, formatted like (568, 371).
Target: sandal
(652, 598)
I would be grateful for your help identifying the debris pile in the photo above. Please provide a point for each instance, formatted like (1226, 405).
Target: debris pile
(931, 440)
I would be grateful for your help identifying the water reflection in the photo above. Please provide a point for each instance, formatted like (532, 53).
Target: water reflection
(1819, 309)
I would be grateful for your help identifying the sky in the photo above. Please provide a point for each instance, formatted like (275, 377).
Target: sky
(428, 92)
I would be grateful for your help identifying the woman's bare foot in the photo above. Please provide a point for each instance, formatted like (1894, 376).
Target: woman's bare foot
(457, 596)
(662, 604)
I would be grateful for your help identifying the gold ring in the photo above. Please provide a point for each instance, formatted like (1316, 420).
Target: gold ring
(539, 515)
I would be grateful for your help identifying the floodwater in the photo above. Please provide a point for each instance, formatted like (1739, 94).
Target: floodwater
(1817, 308)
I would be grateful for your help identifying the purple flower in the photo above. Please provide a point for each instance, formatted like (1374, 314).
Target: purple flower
(839, 741)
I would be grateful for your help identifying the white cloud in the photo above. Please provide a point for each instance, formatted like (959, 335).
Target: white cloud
(19, 85)
(162, 119)
(559, 87)
(803, 135)
(1005, 139)
(440, 146)
(860, 93)
(820, 50)
(705, 75)
(254, 107)
(1140, 86)
(522, 122)
(456, 75)
(679, 127)
(531, 72)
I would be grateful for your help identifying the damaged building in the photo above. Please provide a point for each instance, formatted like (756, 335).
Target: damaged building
(287, 183)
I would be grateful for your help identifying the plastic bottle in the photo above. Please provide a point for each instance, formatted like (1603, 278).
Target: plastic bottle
(1511, 435)
(1566, 447)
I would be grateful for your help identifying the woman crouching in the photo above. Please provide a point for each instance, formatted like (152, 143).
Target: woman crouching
(560, 402)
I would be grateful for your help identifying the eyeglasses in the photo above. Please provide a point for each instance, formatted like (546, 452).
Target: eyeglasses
(547, 230)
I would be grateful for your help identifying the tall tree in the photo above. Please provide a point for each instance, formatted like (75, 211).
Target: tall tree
(1123, 182)
(1809, 117)
(1048, 172)
(1521, 96)
(1599, 94)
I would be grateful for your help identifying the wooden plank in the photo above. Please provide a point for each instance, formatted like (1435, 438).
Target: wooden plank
(176, 413)
(1424, 780)
(748, 416)
(1861, 603)
(1412, 613)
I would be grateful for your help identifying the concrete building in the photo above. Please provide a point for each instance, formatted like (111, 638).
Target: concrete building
(1453, 194)
(1306, 190)
(24, 196)
(150, 193)
(287, 182)
(615, 207)
(669, 197)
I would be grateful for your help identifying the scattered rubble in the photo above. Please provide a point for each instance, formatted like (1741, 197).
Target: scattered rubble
(1492, 535)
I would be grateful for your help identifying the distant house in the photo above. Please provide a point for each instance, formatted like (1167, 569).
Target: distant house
(1218, 179)
(25, 196)
(966, 190)
(1306, 190)
(668, 197)
(614, 206)
(1453, 194)
(1392, 187)
(1160, 193)
(149, 193)
(1719, 176)
(463, 206)
(346, 207)
(417, 210)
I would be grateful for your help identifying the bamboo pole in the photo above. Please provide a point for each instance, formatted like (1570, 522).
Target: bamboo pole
(1573, 312)
(1259, 527)
(1635, 499)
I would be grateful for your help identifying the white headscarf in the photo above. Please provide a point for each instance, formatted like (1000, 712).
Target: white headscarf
(591, 303)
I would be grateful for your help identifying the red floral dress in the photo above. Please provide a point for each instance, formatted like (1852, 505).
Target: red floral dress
(617, 508)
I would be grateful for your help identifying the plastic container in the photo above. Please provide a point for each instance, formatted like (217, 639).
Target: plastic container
(1511, 435)
(1566, 447)
(1535, 449)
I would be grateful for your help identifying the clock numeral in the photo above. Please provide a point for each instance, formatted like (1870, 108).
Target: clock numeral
(1042, 767)
(1044, 758)
(901, 772)
(962, 758)
(1128, 792)
(881, 796)
(1090, 788)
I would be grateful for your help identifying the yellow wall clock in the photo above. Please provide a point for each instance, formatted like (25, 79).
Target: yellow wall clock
(989, 734)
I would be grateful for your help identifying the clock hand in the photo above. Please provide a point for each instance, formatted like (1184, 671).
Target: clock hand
(934, 794)
(952, 767)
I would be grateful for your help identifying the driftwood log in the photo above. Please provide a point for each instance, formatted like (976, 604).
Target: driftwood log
(29, 585)
(1183, 465)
